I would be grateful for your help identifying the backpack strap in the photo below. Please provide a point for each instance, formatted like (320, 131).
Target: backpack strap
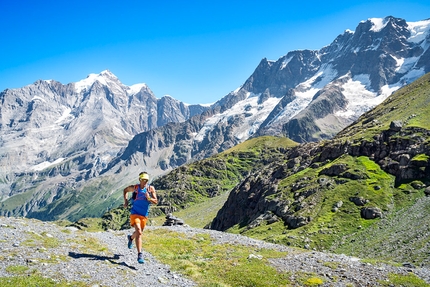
(136, 188)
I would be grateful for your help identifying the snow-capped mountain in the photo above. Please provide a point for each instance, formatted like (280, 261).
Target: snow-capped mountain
(305, 95)
(52, 132)
(54, 136)
(51, 121)
(322, 91)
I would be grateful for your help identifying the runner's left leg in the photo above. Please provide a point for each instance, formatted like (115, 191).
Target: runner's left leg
(137, 234)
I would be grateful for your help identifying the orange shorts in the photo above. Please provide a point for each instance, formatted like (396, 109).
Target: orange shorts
(138, 219)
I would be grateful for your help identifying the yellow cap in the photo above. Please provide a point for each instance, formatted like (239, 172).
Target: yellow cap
(144, 176)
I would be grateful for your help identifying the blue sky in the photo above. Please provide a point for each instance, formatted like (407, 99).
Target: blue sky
(194, 51)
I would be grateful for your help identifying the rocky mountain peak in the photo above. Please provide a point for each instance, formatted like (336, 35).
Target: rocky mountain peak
(69, 133)
(105, 78)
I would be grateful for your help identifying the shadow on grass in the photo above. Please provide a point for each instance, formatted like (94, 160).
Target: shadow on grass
(111, 259)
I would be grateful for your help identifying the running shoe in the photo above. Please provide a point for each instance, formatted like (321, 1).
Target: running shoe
(130, 241)
(140, 258)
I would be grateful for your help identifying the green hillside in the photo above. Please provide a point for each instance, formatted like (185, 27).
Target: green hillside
(195, 183)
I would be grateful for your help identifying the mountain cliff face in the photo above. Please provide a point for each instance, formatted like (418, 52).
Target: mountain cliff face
(97, 134)
(50, 121)
(357, 71)
(57, 136)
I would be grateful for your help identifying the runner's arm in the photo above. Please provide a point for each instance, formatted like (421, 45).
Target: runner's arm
(152, 195)
(127, 190)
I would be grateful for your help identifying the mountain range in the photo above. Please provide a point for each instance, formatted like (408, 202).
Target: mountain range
(67, 150)
(364, 193)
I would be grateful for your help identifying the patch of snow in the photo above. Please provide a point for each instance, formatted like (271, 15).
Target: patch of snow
(38, 98)
(324, 76)
(285, 63)
(206, 105)
(252, 95)
(107, 73)
(419, 30)
(359, 98)
(399, 63)
(405, 64)
(301, 101)
(66, 114)
(387, 90)
(349, 31)
(305, 92)
(377, 24)
(255, 116)
(209, 123)
(86, 83)
(106, 78)
(134, 89)
(45, 164)
(307, 95)
(238, 89)
(259, 115)
(105, 158)
(375, 47)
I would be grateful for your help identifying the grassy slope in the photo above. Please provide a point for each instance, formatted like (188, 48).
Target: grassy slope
(222, 171)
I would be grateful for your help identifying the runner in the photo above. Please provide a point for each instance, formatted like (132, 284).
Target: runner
(143, 196)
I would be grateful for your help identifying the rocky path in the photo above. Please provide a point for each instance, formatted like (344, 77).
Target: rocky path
(76, 260)
(78, 257)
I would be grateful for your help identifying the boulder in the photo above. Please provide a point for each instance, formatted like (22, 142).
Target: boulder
(396, 126)
(172, 220)
(359, 201)
(427, 191)
(334, 170)
(417, 185)
(371, 213)
(296, 222)
(336, 206)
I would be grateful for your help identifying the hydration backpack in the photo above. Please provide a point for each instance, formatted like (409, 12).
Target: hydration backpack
(136, 189)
